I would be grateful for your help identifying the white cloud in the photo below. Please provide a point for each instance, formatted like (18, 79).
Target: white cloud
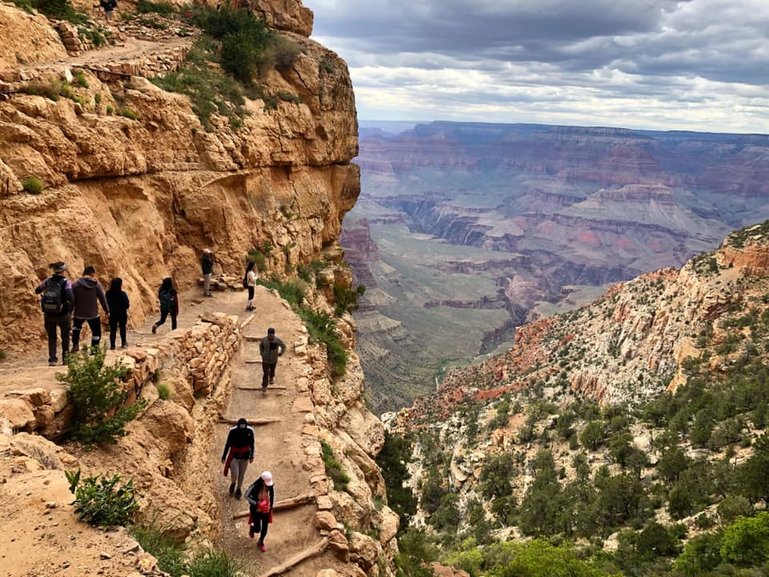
(658, 64)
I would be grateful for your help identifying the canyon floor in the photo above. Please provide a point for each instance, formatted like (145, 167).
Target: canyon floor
(49, 526)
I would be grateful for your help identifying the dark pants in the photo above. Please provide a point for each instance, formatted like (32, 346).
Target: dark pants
(95, 325)
(116, 321)
(163, 317)
(268, 372)
(250, 293)
(261, 522)
(63, 324)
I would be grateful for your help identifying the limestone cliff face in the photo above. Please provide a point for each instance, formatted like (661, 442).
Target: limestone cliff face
(140, 198)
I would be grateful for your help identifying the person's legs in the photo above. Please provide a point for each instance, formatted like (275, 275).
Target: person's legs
(265, 374)
(206, 285)
(265, 521)
(163, 317)
(250, 303)
(243, 465)
(173, 322)
(272, 372)
(255, 523)
(65, 328)
(77, 324)
(234, 474)
(50, 329)
(122, 323)
(113, 320)
(95, 325)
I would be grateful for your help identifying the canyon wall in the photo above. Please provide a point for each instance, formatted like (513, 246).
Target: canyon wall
(140, 195)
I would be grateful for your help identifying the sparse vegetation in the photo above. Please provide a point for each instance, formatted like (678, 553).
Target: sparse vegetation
(346, 300)
(334, 468)
(162, 8)
(98, 398)
(102, 501)
(32, 185)
(164, 391)
(128, 113)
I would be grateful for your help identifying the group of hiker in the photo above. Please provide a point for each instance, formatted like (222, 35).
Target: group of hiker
(67, 306)
(238, 453)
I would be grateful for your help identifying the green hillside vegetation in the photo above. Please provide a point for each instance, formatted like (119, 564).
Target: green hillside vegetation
(673, 486)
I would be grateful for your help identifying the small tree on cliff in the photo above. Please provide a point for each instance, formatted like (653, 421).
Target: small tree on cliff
(97, 396)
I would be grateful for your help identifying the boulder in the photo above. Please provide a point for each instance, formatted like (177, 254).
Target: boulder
(17, 414)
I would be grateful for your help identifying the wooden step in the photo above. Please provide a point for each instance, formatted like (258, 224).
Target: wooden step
(284, 504)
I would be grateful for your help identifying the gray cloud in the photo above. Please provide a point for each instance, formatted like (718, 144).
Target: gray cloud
(675, 64)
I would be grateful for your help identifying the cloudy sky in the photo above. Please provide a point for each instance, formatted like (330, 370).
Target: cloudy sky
(657, 64)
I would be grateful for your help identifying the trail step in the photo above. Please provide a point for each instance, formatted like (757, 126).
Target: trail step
(270, 388)
(284, 504)
(251, 422)
(308, 553)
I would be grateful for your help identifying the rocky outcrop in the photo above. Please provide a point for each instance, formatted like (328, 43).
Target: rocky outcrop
(629, 345)
(135, 185)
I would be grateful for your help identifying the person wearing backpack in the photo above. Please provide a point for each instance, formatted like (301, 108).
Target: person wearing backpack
(87, 293)
(261, 499)
(169, 304)
(249, 282)
(109, 6)
(56, 302)
(118, 302)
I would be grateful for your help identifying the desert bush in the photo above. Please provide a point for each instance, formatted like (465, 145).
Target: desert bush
(32, 185)
(101, 501)
(164, 391)
(128, 113)
(148, 7)
(346, 299)
(97, 396)
(321, 328)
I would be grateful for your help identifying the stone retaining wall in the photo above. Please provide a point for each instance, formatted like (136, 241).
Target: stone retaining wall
(199, 356)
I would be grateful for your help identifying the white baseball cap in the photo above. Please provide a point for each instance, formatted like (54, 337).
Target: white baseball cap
(267, 478)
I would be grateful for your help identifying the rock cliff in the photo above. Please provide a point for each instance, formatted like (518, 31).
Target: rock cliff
(139, 194)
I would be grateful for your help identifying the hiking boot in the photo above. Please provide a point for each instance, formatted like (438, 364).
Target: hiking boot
(52, 363)
(238, 494)
(262, 547)
(251, 531)
(124, 346)
(272, 381)
(154, 329)
(232, 488)
(209, 295)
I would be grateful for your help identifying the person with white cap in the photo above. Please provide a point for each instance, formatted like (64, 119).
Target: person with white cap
(56, 302)
(261, 498)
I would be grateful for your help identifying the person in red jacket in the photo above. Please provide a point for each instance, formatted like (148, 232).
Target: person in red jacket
(261, 499)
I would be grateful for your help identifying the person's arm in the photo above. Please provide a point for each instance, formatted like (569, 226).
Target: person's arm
(41, 287)
(227, 446)
(272, 496)
(249, 495)
(102, 298)
(68, 294)
(251, 446)
(126, 302)
(261, 348)
(281, 347)
(175, 304)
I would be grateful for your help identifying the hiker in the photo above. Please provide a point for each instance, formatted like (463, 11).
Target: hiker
(87, 293)
(249, 281)
(261, 499)
(207, 265)
(56, 303)
(169, 304)
(118, 303)
(109, 6)
(270, 348)
(240, 445)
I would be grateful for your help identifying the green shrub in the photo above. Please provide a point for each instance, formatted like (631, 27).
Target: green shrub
(128, 113)
(244, 39)
(165, 547)
(101, 501)
(164, 391)
(79, 79)
(334, 468)
(292, 292)
(346, 299)
(59, 9)
(147, 7)
(97, 397)
(321, 328)
(50, 89)
(110, 110)
(32, 185)
(3, 355)
(213, 563)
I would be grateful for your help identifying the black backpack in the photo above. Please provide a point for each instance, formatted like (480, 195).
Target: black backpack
(53, 301)
(245, 280)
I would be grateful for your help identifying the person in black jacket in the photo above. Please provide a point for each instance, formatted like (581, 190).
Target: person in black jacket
(240, 445)
(118, 303)
(56, 303)
(207, 261)
(261, 499)
(169, 304)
